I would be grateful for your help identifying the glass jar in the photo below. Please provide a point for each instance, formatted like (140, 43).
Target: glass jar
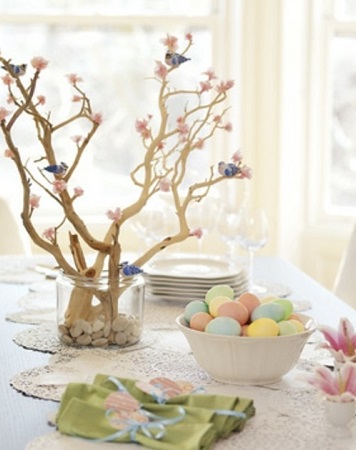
(95, 312)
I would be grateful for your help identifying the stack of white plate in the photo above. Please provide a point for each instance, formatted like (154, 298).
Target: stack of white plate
(188, 278)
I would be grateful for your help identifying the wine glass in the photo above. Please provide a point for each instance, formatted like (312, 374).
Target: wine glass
(202, 215)
(252, 231)
(227, 227)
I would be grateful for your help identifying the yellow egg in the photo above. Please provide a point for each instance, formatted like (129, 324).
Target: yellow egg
(216, 302)
(299, 326)
(263, 327)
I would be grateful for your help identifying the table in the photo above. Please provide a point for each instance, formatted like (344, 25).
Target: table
(24, 417)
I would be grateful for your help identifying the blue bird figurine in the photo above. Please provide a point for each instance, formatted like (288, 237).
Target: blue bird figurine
(57, 169)
(175, 59)
(17, 69)
(227, 170)
(130, 269)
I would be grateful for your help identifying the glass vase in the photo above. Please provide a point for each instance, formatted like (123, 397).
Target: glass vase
(98, 312)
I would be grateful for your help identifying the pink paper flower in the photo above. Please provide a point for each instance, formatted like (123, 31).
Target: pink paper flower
(228, 127)
(246, 172)
(34, 201)
(224, 86)
(73, 78)
(197, 232)
(237, 157)
(199, 144)
(165, 185)
(41, 99)
(9, 154)
(97, 118)
(189, 37)
(77, 138)
(205, 86)
(171, 42)
(339, 385)
(341, 342)
(142, 128)
(78, 191)
(115, 215)
(49, 234)
(77, 98)
(59, 186)
(210, 74)
(39, 63)
(7, 79)
(3, 113)
(161, 70)
(10, 99)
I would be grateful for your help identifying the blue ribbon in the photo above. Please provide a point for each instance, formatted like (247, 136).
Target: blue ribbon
(228, 412)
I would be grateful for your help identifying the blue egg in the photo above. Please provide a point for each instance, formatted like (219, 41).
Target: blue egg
(224, 325)
(194, 307)
(268, 310)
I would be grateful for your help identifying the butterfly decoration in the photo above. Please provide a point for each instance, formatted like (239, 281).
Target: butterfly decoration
(162, 388)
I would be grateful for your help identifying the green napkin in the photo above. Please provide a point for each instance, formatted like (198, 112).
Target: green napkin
(220, 405)
(82, 419)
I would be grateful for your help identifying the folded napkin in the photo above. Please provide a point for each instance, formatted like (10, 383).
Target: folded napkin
(117, 409)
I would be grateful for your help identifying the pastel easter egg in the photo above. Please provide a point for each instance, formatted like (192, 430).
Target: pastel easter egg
(224, 325)
(251, 301)
(216, 302)
(286, 304)
(271, 310)
(200, 320)
(244, 329)
(194, 307)
(234, 309)
(286, 327)
(298, 324)
(219, 290)
(263, 327)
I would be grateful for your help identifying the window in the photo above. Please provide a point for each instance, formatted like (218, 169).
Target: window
(112, 45)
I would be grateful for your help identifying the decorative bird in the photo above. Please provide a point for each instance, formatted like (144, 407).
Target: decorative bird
(227, 170)
(130, 269)
(17, 69)
(175, 59)
(57, 169)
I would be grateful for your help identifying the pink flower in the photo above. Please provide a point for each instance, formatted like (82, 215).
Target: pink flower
(183, 129)
(41, 99)
(228, 127)
(199, 144)
(3, 113)
(49, 234)
(341, 342)
(97, 118)
(76, 98)
(205, 86)
(210, 74)
(34, 201)
(339, 385)
(165, 185)
(171, 42)
(39, 63)
(7, 79)
(10, 99)
(237, 157)
(78, 191)
(115, 215)
(9, 154)
(59, 186)
(142, 128)
(197, 232)
(217, 119)
(224, 86)
(161, 145)
(161, 70)
(246, 172)
(73, 78)
(189, 37)
(77, 138)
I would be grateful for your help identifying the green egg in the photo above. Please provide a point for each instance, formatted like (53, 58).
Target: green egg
(286, 327)
(194, 307)
(220, 290)
(286, 304)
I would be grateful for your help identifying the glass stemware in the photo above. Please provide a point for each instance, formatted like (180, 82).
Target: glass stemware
(227, 227)
(252, 231)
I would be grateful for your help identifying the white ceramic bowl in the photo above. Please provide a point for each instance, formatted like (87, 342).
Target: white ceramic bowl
(246, 360)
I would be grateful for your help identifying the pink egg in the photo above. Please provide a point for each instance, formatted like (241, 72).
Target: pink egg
(251, 301)
(199, 321)
(236, 310)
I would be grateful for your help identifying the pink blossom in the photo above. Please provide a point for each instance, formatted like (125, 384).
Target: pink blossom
(3, 113)
(78, 191)
(339, 385)
(9, 154)
(165, 185)
(171, 42)
(97, 118)
(59, 186)
(217, 119)
(228, 127)
(7, 79)
(246, 172)
(224, 86)
(77, 98)
(341, 342)
(197, 232)
(237, 157)
(34, 201)
(49, 234)
(10, 99)
(210, 74)
(199, 144)
(161, 145)
(41, 99)
(77, 138)
(205, 86)
(142, 128)
(161, 70)
(39, 63)
(115, 215)
(189, 37)
(73, 78)
(183, 128)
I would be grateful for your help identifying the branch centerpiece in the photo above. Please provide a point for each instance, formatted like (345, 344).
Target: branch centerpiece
(94, 313)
